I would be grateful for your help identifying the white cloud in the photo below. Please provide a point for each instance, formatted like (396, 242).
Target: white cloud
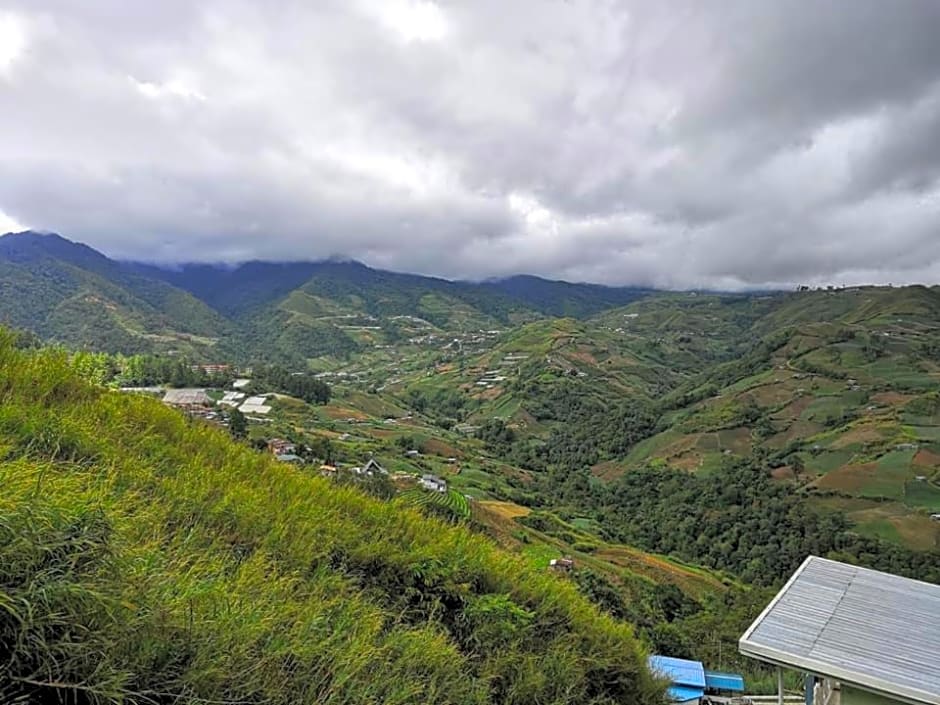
(411, 20)
(9, 225)
(615, 140)
(13, 41)
(173, 88)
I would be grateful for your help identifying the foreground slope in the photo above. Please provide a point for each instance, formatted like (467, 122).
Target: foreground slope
(146, 558)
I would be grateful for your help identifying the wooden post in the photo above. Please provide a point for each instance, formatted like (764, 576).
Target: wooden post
(779, 686)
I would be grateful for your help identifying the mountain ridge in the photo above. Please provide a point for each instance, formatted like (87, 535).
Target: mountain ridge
(285, 311)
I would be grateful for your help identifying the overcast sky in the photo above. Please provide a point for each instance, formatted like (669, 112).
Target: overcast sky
(674, 143)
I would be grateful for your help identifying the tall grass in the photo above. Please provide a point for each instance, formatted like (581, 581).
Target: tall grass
(145, 558)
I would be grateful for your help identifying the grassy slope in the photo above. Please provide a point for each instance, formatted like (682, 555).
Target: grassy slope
(149, 558)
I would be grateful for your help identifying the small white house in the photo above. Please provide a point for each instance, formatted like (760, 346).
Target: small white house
(433, 483)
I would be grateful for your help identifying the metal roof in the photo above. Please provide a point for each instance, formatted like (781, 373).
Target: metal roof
(724, 681)
(186, 396)
(873, 630)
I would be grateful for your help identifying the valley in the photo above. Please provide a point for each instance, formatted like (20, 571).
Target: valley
(685, 450)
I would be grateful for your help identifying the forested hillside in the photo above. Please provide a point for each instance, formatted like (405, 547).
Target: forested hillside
(147, 558)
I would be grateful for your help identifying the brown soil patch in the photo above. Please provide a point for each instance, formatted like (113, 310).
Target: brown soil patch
(890, 398)
(609, 470)
(679, 446)
(918, 532)
(927, 458)
(500, 520)
(859, 434)
(784, 472)
(771, 394)
(737, 439)
(380, 433)
(504, 510)
(848, 478)
(582, 356)
(661, 570)
(339, 413)
(690, 462)
(433, 446)
(518, 473)
(795, 408)
(488, 394)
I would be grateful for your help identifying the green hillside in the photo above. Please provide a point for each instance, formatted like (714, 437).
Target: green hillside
(150, 559)
(71, 294)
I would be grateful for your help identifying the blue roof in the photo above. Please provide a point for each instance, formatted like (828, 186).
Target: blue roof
(679, 671)
(682, 694)
(724, 681)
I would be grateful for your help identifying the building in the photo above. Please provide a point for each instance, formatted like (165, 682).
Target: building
(255, 405)
(686, 678)
(433, 483)
(690, 682)
(370, 469)
(289, 458)
(373, 468)
(212, 369)
(187, 398)
(563, 564)
(280, 446)
(865, 637)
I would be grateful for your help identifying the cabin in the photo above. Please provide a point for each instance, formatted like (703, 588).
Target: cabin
(433, 483)
(280, 446)
(565, 564)
(691, 683)
(370, 469)
(863, 636)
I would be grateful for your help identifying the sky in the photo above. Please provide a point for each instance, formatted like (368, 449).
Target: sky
(732, 144)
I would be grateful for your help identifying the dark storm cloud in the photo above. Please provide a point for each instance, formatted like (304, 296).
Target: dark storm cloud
(732, 144)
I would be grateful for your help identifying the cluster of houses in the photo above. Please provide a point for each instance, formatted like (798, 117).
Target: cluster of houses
(198, 402)
(498, 375)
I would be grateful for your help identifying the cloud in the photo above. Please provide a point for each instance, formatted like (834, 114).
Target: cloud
(680, 144)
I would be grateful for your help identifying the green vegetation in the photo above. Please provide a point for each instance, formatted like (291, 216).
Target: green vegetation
(147, 558)
(683, 448)
(450, 504)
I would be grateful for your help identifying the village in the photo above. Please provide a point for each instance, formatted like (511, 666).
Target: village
(226, 408)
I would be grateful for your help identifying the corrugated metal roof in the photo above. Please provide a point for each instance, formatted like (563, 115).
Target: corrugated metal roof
(724, 681)
(679, 671)
(186, 396)
(875, 630)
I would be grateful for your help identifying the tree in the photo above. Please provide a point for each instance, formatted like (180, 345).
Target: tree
(237, 424)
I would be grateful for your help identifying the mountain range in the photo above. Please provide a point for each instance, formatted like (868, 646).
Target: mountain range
(70, 293)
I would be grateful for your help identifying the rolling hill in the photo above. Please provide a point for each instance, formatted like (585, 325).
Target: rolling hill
(833, 392)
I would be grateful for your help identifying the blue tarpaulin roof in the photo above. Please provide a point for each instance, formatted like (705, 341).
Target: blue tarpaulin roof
(683, 694)
(687, 678)
(724, 681)
(679, 671)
